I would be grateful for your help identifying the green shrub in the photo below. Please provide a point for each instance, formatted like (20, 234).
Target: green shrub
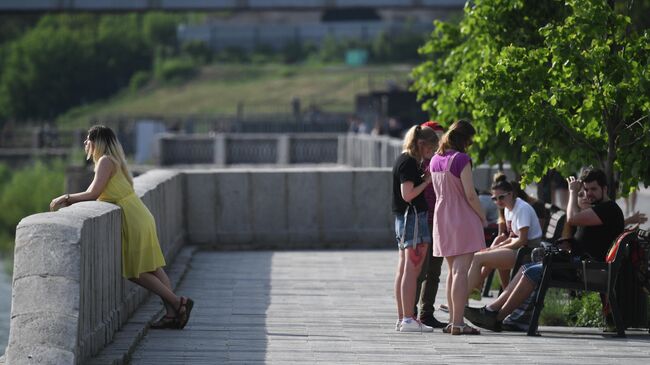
(232, 55)
(139, 80)
(25, 192)
(561, 309)
(586, 311)
(198, 51)
(293, 52)
(555, 308)
(332, 50)
(175, 70)
(402, 47)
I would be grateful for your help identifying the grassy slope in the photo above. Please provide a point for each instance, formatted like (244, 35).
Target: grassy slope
(267, 88)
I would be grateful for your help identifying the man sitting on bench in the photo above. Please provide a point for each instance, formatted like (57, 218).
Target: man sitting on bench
(597, 227)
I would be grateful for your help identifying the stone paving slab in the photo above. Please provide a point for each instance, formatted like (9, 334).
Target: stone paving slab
(337, 307)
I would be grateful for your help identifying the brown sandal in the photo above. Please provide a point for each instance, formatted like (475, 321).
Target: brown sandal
(447, 328)
(184, 311)
(165, 322)
(464, 330)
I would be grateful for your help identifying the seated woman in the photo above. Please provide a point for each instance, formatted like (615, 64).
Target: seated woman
(538, 206)
(524, 231)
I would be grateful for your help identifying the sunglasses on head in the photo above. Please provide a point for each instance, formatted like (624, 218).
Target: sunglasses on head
(499, 197)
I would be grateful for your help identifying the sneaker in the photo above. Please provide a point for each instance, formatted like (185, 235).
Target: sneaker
(444, 308)
(431, 321)
(511, 327)
(398, 325)
(413, 325)
(484, 318)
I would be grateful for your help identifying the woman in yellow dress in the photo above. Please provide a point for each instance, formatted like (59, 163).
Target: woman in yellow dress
(142, 258)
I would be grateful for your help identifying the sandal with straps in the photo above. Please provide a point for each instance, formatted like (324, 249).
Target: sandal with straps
(464, 330)
(165, 322)
(447, 328)
(184, 315)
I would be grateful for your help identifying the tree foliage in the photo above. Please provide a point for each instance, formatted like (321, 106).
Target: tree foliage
(71, 59)
(549, 85)
(24, 192)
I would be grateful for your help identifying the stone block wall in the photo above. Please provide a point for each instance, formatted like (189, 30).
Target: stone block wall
(289, 208)
(69, 296)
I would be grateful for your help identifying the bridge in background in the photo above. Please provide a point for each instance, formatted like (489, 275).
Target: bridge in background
(216, 5)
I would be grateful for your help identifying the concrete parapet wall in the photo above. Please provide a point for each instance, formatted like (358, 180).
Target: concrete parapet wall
(69, 296)
(232, 149)
(289, 208)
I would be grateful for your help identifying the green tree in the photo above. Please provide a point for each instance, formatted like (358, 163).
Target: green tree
(549, 84)
(24, 192)
(160, 31)
(70, 60)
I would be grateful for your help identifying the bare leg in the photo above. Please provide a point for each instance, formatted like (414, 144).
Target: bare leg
(450, 281)
(162, 276)
(520, 293)
(151, 282)
(474, 276)
(398, 284)
(460, 267)
(414, 257)
(498, 258)
(507, 292)
(504, 276)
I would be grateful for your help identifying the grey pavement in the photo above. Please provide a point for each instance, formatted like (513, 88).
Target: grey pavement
(337, 307)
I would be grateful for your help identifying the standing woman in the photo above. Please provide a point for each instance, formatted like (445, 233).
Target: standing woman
(459, 218)
(142, 258)
(411, 228)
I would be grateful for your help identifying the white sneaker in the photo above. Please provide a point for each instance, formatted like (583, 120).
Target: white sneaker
(398, 325)
(413, 325)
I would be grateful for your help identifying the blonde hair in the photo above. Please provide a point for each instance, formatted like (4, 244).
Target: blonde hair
(105, 143)
(418, 135)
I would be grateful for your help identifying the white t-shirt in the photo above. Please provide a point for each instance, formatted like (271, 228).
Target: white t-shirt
(523, 215)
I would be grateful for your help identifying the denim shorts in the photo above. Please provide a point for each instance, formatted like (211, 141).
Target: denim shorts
(424, 235)
(534, 272)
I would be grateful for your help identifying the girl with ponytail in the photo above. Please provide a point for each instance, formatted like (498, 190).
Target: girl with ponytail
(411, 228)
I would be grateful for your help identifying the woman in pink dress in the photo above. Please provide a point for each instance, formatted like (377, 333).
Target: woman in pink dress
(458, 219)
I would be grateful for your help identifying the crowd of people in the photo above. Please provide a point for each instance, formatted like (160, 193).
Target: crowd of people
(439, 215)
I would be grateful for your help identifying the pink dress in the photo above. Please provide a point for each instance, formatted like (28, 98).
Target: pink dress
(457, 229)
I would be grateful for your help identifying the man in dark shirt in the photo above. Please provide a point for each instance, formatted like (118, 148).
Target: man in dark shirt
(598, 226)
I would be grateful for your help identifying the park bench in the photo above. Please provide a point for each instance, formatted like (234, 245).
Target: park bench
(553, 233)
(586, 275)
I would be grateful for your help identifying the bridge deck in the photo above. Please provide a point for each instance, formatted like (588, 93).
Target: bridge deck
(336, 307)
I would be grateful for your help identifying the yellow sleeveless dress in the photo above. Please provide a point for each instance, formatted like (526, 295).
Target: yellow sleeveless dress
(140, 247)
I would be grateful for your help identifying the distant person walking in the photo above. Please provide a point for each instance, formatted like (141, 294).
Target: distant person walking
(411, 229)
(142, 258)
(459, 218)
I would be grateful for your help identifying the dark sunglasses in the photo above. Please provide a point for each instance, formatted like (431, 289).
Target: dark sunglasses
(499, 197)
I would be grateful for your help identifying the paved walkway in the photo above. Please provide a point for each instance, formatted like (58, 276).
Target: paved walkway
(336, 307)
